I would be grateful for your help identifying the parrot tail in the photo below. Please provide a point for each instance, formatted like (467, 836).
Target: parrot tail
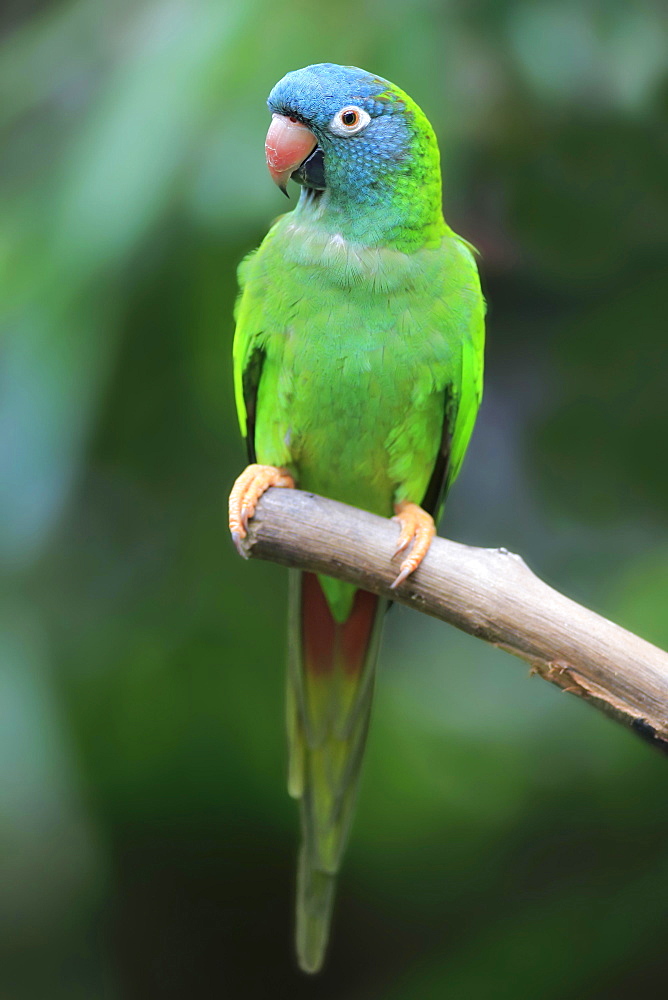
(331, 670)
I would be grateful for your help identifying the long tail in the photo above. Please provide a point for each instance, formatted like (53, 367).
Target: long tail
(330, 688)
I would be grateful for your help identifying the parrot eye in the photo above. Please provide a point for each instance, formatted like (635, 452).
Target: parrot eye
(349, 121)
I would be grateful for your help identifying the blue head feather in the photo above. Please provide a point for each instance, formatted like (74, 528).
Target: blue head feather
(383, 183)
(316, 93)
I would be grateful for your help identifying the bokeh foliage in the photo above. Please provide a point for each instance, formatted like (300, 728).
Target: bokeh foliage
(509, 842)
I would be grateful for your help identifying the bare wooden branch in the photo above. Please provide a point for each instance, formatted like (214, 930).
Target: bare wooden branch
(489, 593)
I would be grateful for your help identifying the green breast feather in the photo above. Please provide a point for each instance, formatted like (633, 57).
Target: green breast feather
(365, 354)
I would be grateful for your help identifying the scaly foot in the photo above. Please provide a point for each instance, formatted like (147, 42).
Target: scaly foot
(416, 526)
(247, 490)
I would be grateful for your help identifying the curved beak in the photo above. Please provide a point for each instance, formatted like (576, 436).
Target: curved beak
(287, 145)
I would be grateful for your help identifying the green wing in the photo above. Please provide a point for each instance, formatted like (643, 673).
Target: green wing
(248, 357)
(257, 299)
(470, 392)
(460, 408)
(447, 386)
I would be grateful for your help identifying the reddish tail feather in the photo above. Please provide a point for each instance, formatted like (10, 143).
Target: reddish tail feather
(330, 688)
(326, 641)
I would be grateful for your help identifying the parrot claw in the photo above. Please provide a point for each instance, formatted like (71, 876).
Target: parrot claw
(238, 544)
(247, 490)
(417, 526)
(405, 573)
(404, 540)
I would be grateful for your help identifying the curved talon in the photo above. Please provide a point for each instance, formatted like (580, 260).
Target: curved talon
(416, 526)
(406, 535)
(236, 539)
(247, 490)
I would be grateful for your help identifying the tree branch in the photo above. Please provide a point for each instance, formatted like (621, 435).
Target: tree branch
(489, 593)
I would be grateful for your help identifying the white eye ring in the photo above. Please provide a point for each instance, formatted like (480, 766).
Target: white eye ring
(357, 120)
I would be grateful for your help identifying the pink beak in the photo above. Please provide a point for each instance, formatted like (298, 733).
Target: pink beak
(287, 145)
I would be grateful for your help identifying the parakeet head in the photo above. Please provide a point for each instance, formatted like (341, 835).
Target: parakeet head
(355, 135)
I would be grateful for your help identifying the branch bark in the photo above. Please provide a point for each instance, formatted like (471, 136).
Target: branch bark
(489, 593)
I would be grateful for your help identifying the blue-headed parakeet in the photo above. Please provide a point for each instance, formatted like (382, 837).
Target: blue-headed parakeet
(358, 361)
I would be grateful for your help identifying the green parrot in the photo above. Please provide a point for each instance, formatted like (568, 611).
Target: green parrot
(358, 361)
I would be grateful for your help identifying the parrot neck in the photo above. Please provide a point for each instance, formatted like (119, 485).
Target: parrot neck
(379, 218)
(392, 199)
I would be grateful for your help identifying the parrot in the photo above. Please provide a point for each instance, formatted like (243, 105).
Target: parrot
(358, 366)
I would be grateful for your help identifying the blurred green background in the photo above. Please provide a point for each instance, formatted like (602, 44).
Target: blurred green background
(510, 842)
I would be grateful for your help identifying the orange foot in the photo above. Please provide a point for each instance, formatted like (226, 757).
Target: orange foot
(417, 526)
(247, 490)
